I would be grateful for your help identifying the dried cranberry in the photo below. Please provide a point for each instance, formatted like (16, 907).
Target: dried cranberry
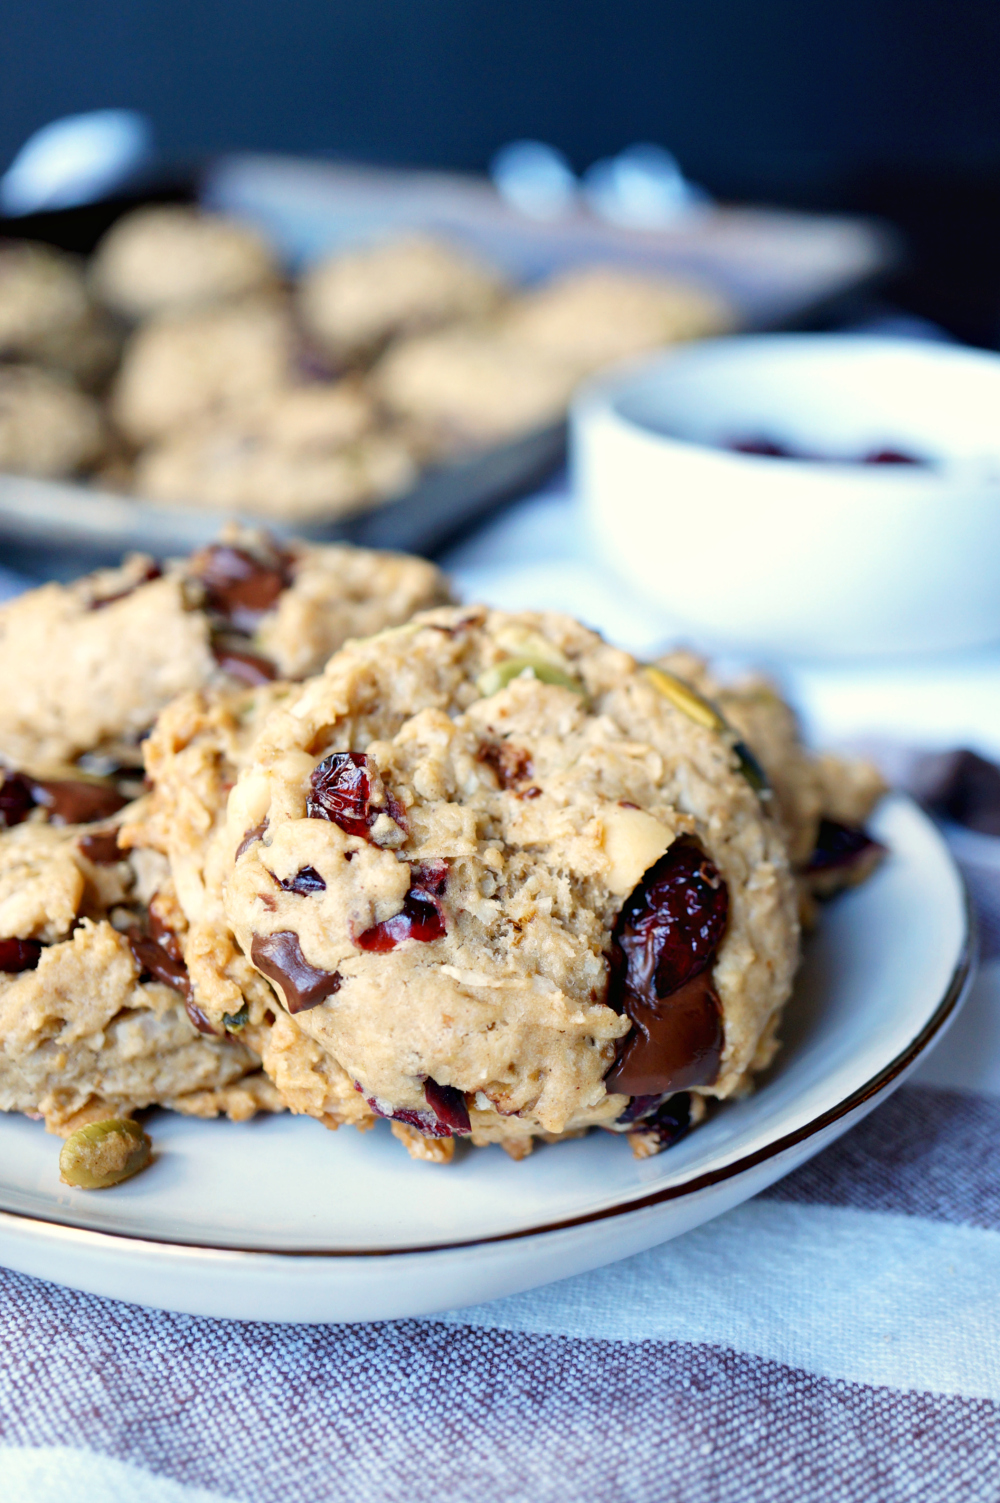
(510, 764)
(890, 456)
(305, 880)
(448, 1105)
(421, 916)
(765, 446)
(74, 802)
(101, 848)
(839, 846)
(280, 958)
(19, 954)
(249, 667)
(340, 792)
(663, 944)
(17, 799)
(238, 586)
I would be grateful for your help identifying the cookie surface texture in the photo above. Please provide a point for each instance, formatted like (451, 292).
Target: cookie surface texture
(429, 850)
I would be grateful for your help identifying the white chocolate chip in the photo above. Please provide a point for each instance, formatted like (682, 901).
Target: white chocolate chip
(631, 840)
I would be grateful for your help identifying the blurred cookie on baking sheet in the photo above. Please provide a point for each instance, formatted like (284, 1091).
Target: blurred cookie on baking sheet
(47, 426)
(355, 302)
(174, 256)
(47, 316)
(595, 315)
(305, 452)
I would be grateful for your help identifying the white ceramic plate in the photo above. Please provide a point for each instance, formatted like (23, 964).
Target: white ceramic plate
(279, 1219)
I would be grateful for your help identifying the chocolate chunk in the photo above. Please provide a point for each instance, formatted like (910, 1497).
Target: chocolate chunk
(19, 954)
(73, 802)
(250, 838)
(101, 848)
(238, 586)
(165, 937)
(249, 667)
(511, 765)
(676, 1042)
(840, 845)
(17, 799)
(667, 1121)
(663, 945)
(448, 1105)
(157, 964)
(960, 786)
(279, 957)
(152, 571)
(306, 880)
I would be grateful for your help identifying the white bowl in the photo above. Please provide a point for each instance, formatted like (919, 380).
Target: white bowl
(797, 556)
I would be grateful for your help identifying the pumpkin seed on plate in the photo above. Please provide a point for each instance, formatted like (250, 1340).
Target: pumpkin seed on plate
(104, 1154)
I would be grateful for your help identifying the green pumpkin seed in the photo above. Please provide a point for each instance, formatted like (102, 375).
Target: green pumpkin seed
(104, 1153)
(239, 1019)
(703, 712)
(498, 677)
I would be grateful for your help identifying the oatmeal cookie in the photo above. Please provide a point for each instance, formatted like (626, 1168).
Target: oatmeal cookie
(88, 666)
(159, 259)
(47, 426)
(311, 452)
(507, 888)
(821, 801)
(354, 302)
(46, 315)
(465, 389)
(96, 1018)
(181, 366)
(595, 315)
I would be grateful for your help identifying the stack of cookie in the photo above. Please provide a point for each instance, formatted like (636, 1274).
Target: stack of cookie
(181, 365)
(481, 874)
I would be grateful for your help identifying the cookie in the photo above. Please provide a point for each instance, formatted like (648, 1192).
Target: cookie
(180, 366)
(46, 315)
(47, 427)
(354, 302)
(87, 667)
(161, 259)
(466, 389)
(96, 1018)
(311, 452)
(595, 315)
(506, 888)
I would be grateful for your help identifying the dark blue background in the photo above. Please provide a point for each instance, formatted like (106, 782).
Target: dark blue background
(863, 104)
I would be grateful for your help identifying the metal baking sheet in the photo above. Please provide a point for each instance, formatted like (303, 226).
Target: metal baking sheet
(773, 267)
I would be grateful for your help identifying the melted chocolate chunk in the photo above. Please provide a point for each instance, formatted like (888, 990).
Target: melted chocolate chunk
(249, 667)
(19, 954)
(156, 963)
(73, 802)
(17, 799)
(510, 764)
(250, 838)
(279, 957)
(238, 586)
(421, 916)
(340, 789)
(151, 572)
(839, 846)
(165, 937)
(305, 880)
(663, 945)
(676, 1042)
(667, 1120)
(448, 1105)
(101, 848)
